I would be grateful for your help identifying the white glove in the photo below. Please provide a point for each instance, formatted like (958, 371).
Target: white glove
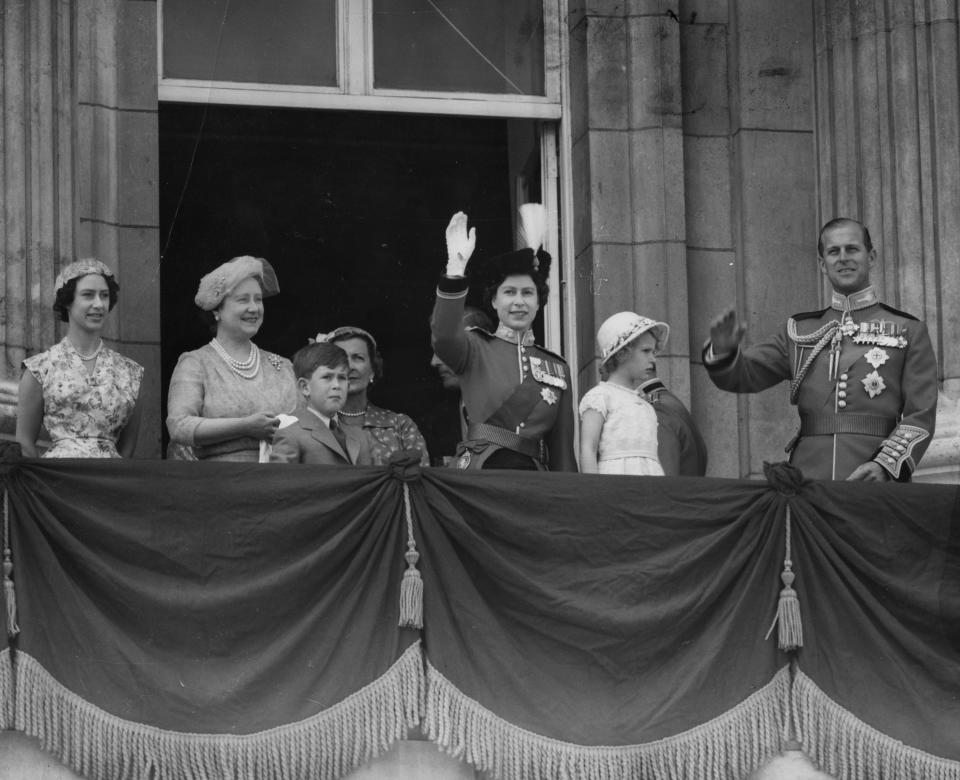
(460, 244)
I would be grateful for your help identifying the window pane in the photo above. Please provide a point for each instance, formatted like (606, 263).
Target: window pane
(459, 45)
(259, 41)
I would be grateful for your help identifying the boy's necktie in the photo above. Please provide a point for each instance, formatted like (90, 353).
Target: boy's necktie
(338, 433)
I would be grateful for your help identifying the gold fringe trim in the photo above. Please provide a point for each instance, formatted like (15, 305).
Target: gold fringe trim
(6, 689)
(327, 745)
(849, 749)
(730, 746)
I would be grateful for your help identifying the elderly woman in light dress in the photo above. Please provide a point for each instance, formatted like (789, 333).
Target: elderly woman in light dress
(226, 397)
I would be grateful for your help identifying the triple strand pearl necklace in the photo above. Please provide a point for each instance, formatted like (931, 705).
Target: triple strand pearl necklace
(245, 369)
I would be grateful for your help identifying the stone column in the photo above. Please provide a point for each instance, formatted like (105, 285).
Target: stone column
(628, 175)
(37, 176)
(117, 208)
(888, 153)
(751, 238)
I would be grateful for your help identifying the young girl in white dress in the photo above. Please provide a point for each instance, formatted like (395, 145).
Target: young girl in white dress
(618, 427)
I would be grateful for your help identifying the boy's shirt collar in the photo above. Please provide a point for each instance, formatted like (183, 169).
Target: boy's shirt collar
(326, 420)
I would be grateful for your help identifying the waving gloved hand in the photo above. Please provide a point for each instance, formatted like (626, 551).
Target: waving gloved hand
(460, 244)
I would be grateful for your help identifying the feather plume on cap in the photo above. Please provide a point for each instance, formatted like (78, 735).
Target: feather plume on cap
(485, 273)
(533, 227)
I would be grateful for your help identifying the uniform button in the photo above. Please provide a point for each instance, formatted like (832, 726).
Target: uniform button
(843, 377)
(842, 385)
(841, 404)
(842, 393)
(523, 425)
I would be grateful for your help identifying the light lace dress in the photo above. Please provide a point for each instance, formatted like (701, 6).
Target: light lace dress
(84, 413)
(628, 438)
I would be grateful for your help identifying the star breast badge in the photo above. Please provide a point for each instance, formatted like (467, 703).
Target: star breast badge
(873, 383)
(549, 395)
(876, 357)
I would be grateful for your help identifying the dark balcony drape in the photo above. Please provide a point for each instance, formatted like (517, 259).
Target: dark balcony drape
(219, 620)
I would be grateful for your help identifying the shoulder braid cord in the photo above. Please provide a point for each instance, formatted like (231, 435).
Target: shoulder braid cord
(819, 338)
(9, 590)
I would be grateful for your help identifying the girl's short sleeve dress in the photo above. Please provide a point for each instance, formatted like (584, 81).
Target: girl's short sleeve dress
(628, 439)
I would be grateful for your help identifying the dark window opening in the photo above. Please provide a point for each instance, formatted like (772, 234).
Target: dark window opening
(350, 209)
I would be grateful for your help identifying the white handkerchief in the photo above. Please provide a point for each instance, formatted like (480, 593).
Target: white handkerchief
(265, 446)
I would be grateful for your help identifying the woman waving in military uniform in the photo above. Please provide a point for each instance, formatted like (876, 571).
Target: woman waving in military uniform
(516, 393)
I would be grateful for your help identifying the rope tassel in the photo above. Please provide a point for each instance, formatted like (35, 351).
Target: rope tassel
(411, 589)
(9, 589)
(790, 633)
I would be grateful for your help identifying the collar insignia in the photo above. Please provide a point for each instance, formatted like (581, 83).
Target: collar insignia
(858, 300)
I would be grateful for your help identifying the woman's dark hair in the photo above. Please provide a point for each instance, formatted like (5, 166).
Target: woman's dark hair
(65, 295)
(376, 359)
(616, 360)
(543, 288)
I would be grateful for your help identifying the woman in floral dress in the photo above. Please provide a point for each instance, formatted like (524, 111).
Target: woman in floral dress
(84, 394)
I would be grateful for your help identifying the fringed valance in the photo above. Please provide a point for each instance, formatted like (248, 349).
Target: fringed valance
(221, 620)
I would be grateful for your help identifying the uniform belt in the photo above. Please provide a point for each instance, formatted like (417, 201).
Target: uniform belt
(866, 424)
(532, 448)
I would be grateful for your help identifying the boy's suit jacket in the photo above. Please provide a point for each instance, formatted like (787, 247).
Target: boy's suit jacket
(309, 440)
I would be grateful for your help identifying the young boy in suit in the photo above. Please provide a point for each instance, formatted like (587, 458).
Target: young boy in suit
(317, 436)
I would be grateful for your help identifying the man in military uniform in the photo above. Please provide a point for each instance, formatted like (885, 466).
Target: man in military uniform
(680, 447)
(862, 374)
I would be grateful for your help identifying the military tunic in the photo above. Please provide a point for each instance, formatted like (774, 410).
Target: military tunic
(506, 381)
(863, 377)
(680, 447)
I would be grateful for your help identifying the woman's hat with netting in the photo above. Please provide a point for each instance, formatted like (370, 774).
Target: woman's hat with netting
(217, 284)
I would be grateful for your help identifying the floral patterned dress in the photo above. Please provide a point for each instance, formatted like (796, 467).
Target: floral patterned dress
(84, 413)
(390, 433)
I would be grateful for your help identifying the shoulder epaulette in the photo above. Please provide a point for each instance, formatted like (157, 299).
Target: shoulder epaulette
(556, 355)
(810, 315)
(898, 312)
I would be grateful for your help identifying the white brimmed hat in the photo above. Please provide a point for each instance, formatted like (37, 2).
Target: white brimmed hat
(620, 329)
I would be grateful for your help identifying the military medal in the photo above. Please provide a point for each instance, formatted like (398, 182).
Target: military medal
(548, 373)
(548, 395)
(873, 383)
(883, 333)
(876, 357)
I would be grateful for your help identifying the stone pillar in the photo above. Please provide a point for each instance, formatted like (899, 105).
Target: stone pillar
(751, 234)
(628, 175)
(888, 153)
(37, 176)
(117, 209)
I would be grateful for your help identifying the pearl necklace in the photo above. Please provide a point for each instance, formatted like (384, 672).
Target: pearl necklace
(92, 355)
(353, 414)
(245, 369)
